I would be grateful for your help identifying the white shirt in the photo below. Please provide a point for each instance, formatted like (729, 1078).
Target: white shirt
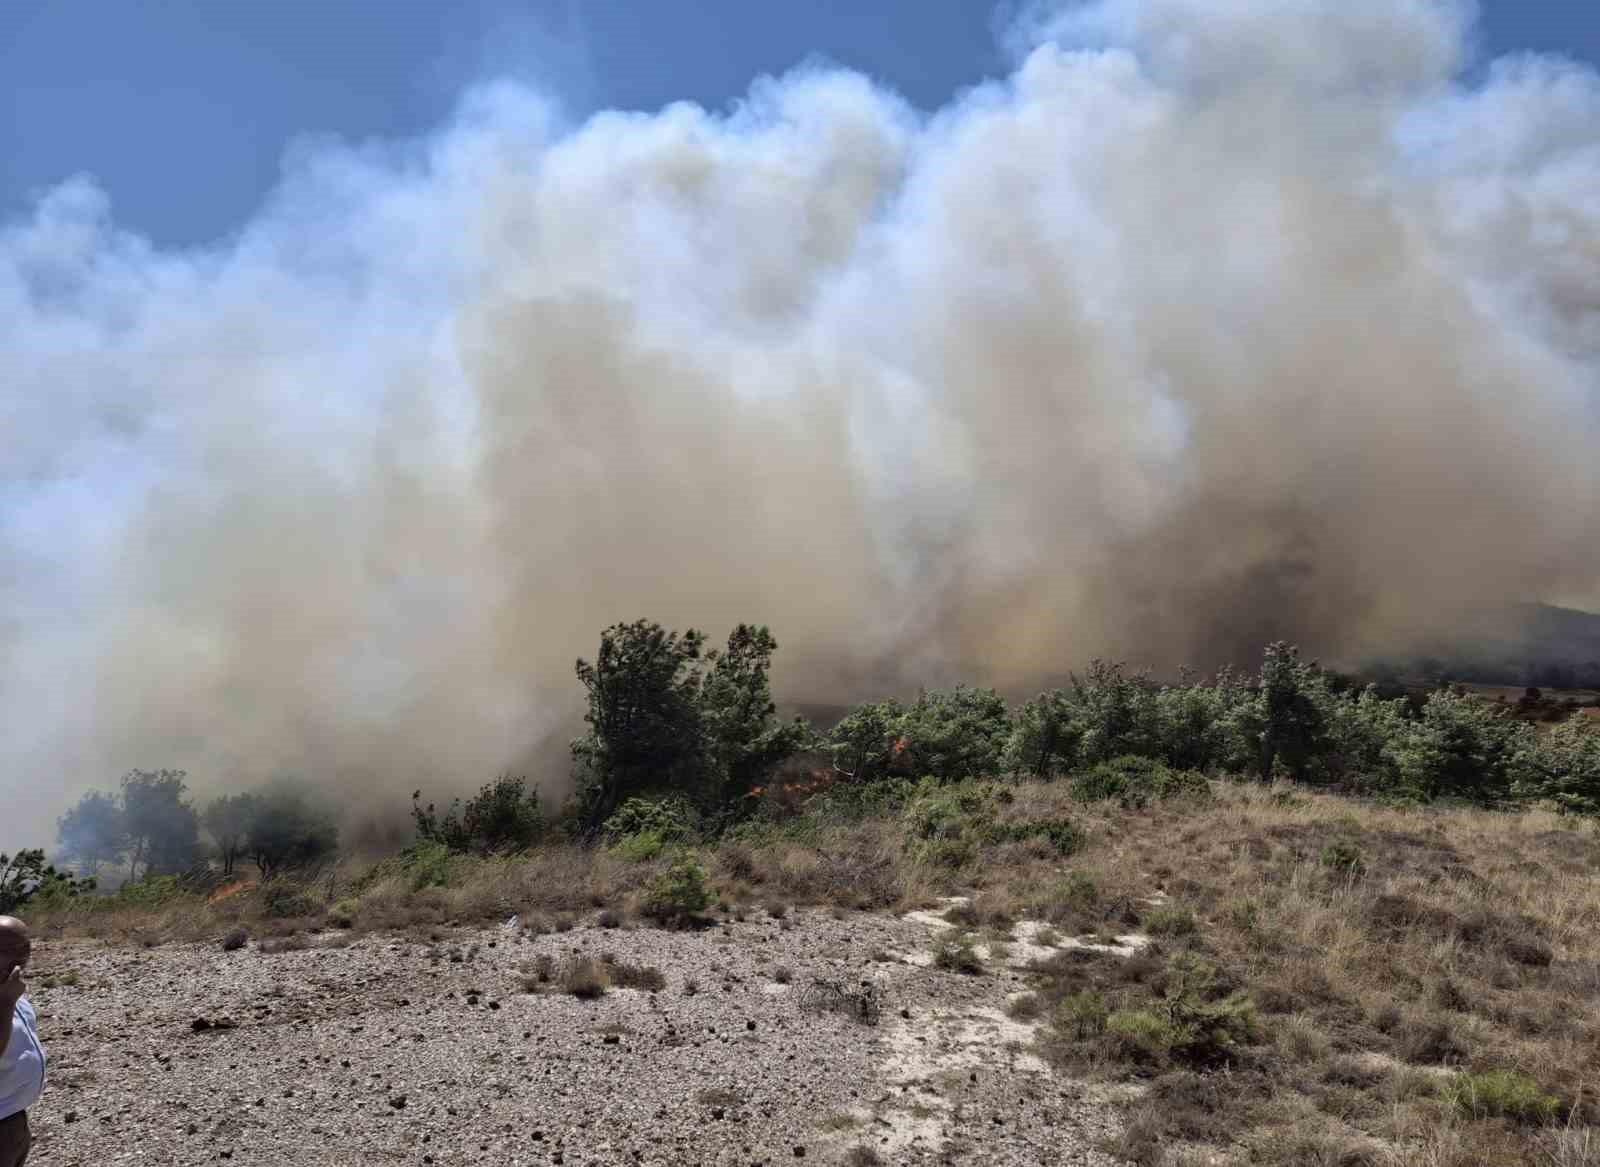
(22, 1063)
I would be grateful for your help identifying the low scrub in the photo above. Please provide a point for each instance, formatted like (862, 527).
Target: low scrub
(1135, 782)
(585, 978)
(1366, 973)
(1502, 1094)
(958, 953)
(679, 894)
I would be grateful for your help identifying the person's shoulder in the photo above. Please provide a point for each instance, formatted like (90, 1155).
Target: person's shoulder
(25, 1010)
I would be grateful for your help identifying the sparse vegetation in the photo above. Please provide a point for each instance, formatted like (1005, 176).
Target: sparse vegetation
(502, 818)
(25, 877)
(958, 953)
(585, 978)
(1368, 972)
(633, 976)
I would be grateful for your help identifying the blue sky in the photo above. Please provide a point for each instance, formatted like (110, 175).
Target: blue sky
(182, 109)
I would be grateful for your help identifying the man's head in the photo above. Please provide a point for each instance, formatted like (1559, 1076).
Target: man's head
(14, 945)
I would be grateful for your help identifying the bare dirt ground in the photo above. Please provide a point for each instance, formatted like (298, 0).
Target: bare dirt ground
(401, 1049)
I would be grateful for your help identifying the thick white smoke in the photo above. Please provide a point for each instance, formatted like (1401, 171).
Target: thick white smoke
(1218, 320)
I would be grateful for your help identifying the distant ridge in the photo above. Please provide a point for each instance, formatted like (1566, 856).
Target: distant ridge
(1538, 644)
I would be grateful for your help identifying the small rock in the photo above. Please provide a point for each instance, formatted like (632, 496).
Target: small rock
(398, 1102)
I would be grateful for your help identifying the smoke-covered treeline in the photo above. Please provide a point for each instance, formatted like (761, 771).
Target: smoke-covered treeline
(1214, 321)
(151, 826)
(683, 741)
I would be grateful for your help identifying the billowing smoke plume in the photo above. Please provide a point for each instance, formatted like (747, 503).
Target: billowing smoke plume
(1216, 321)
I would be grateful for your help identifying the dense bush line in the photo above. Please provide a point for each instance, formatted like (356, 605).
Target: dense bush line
(683, 743)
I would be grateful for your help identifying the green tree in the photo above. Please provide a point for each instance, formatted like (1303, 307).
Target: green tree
(93, 832)
(744, 740)
(26, 876)
(163, 829)
(1191, 722)
(1114, 713)
(227, 820)
(285, 831)
(643, 717)
(955, 734)
(1045, 736)
(1462, 747)
(863, 743)
(1288, 722)
(1359, 731)
(1564, 767)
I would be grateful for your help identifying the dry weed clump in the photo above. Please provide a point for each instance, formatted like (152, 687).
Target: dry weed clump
(632, 976)
(585, 978)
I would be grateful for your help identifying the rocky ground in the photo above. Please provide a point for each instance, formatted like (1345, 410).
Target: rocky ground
(425, 1050)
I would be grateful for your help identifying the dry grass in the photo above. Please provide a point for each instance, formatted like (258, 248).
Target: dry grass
(1465, 941)
(584, 978)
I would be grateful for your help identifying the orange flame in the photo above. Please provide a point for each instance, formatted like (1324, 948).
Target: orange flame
(230, 889)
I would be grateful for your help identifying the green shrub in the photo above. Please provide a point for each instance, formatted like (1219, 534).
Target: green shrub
(343, 914)
(149, 892)
(1169, 920)
(1344, 856)
(1077, 889)
(957, 953)
(419, 866)
(502, 818)
(1211, 1025)
(1501, 1094)
(946, 825)
(26, 876)
(953, 854)
(639, 847)
(948, 811)
(1136, 782)
(1193, 1023)
(678, 893)
(284, 899)
(1082, 1014)
(1144, 1035)
(1063, 834)
(671, 818)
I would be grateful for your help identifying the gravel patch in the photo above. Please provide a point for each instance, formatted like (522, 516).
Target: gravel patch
(417, 1050)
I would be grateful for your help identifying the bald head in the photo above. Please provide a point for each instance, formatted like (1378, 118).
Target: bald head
(14, 941)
